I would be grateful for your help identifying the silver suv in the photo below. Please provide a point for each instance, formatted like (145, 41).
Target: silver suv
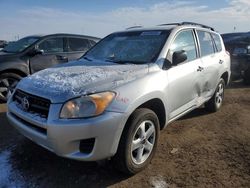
(113, 101)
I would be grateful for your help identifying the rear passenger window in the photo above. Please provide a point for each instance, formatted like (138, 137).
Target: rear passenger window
(206, 43)
(217, 41)
(185, 41)
(78, 44)
(52, 45)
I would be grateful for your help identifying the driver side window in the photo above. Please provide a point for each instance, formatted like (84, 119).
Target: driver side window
(51, 45)
(184, 41)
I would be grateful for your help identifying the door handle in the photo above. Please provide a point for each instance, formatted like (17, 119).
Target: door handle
(200, 69)
(221, 62)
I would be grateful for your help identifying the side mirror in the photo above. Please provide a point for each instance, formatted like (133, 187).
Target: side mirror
(179, 57)
(36, 52)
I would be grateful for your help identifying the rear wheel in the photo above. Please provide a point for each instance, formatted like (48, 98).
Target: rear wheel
(8, 82)
(215, 103)
(138, 142)
(247, 76)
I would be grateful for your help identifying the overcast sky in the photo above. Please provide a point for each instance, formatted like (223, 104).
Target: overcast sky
(101, 17)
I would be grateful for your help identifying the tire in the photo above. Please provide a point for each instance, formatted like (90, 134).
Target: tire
(8, 82)
(215, 103)
(247, 76)
(132, 161)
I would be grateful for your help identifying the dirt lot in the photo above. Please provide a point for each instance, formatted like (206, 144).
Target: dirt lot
(200, 150)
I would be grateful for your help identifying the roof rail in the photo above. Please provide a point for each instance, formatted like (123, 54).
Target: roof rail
(188, 23)
(133, 27)
(169, 24)
(201, 25)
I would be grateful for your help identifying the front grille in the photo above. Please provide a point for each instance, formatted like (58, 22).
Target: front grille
(34, 104)
(31, 126)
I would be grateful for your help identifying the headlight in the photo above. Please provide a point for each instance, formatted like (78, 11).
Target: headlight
(86, 106)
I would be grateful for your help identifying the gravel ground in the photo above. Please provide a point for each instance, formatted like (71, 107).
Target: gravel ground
(199, 150)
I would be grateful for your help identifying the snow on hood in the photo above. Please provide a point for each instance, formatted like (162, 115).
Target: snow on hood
(79, 78)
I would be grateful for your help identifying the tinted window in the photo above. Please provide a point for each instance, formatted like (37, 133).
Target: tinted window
(185, 41)
(78, 44)
(217, 42)
(206, 43)
(52, 45)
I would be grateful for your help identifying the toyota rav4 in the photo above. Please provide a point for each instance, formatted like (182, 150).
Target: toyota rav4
(113, 102)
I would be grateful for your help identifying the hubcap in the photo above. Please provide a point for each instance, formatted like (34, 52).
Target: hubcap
(143, 142)
(219, 95)
(7, 86)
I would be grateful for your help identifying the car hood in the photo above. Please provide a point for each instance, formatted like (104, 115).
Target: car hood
(62, 83)
(7, 56)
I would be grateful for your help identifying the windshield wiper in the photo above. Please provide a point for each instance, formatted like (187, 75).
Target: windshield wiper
(124, 62)
(87, 58)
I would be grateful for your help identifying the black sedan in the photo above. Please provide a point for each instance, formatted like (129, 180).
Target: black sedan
(34, 53)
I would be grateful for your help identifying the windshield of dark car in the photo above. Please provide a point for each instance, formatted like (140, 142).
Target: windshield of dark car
(20, 45)
(130, 47)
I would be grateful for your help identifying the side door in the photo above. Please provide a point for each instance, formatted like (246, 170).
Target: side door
(210, 63)
(53, 53)
(184, 87)
(77, 47)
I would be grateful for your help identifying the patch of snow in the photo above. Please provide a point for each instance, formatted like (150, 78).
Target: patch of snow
(7, 177)
(159, 182)
(34, 116)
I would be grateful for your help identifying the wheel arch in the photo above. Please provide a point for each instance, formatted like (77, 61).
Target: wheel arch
(15, 71)
(225, 77)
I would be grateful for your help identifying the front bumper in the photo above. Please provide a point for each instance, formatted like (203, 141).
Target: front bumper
(63, 137)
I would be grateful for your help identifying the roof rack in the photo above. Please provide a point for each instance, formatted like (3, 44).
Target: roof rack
(169, 24)
(133, 27)
(189, 23)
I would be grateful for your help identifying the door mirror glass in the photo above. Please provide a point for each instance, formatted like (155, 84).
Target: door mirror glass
(179, 57)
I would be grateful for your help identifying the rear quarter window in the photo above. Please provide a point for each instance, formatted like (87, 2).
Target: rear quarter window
(78, 44)
(217, 42)
(206, 43)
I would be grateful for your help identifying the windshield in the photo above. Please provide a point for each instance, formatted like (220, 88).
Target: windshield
(20, 45)
(129, 47)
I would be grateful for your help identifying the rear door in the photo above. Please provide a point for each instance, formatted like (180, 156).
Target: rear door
(211, 63)
(184, 87)
(53, 53)
(77, 47)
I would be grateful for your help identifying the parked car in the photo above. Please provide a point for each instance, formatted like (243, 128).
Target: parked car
(238, 44)
(35, 53)
(113, 102)
(3, 43)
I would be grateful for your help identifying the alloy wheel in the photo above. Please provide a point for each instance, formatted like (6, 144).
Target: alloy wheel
(143, 142)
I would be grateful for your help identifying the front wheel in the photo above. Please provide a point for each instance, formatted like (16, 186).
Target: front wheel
(215, 103)
(138, 142)
(8, 82)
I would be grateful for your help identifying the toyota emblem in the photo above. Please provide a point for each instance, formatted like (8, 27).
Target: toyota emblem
(25, 103)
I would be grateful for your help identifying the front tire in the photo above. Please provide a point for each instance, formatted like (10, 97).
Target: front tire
(138, 142)
(8, 82)
(215, 103)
